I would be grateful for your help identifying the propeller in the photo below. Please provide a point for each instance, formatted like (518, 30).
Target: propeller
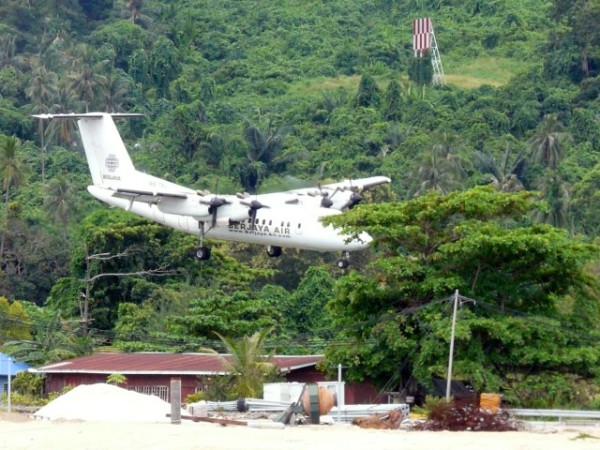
(253, 206)
(326, 199)
(354, 200)
(213, 207)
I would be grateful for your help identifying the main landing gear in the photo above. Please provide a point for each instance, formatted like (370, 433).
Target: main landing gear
(344, 261)
(203, 252)
(273, 251)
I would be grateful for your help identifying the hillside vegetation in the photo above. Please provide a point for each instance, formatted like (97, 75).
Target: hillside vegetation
(259, 96)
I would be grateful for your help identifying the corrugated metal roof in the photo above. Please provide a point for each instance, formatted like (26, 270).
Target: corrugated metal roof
(164, 363)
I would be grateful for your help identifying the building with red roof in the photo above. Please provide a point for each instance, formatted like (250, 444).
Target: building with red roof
(151, 373)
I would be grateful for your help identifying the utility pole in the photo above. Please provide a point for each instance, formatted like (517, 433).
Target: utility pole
(9, 388)
(451, 356)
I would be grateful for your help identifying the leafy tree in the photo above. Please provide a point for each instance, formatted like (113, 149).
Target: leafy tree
(421, 71)
(368, 92)
(586, 203)
(96, 9)
(308, 315)
(124, 37)
(14, 321)
(478, 242)
(236, 314)
(393, 102)
(164, 64)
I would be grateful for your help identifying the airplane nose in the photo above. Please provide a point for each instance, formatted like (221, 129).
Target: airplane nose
(363, 241)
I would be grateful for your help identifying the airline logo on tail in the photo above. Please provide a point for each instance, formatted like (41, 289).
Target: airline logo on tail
(112, 164)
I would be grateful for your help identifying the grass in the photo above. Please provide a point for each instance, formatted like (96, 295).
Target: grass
(462, 72)
(319, 85)
(471, 74)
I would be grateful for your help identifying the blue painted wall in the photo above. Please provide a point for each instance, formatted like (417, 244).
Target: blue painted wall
(15, 367)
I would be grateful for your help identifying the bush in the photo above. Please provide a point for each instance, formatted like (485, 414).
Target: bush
(195, 397)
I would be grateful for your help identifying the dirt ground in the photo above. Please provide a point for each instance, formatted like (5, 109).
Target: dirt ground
(18, 432)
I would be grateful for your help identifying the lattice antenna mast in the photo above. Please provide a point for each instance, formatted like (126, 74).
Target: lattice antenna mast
(423, 42)
(436, 61)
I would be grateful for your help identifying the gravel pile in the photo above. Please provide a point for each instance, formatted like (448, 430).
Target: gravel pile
(105, 402)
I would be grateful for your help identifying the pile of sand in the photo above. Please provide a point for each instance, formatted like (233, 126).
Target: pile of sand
(105, 402)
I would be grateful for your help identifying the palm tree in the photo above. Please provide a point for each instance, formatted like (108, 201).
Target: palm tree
(546, 145)
(507, 175)
(558, 199)
(60, 201)
(134, 7)
(41, 91)
(54, 340)
(263, 153)
(115, 91)
(248, 366)
(440, 168)
(85, 81)
(8, 53)
(12, 170)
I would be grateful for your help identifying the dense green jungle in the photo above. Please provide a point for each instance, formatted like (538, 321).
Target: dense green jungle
(494, 194)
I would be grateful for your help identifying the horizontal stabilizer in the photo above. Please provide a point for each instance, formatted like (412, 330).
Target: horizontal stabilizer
(147, 196)
(94, 115)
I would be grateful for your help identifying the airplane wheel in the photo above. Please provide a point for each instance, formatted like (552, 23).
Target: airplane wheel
(273, 251)
(203, 253)
(342, 263)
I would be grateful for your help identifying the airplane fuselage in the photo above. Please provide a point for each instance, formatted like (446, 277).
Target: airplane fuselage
(283, 226)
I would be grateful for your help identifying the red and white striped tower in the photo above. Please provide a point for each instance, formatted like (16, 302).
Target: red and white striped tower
(423, 42)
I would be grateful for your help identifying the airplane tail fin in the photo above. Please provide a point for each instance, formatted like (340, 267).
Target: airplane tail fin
(108, 160)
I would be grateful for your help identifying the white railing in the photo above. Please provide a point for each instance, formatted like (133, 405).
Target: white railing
(560, 414)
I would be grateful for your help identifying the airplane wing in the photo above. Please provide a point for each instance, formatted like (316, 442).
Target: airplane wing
(354, 185)
(360, 184)
(341, 196)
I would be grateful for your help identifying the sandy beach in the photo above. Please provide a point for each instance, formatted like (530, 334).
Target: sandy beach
(18, 432)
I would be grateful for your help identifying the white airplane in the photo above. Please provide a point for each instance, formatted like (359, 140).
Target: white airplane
(277, 220)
